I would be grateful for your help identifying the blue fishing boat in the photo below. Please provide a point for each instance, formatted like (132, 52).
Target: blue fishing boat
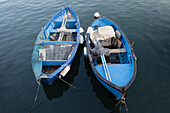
(111, 55)
(56, 46)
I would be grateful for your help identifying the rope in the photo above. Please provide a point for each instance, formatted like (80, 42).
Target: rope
(124, 102)
(69, 84)
(118, 103)
(35, 96)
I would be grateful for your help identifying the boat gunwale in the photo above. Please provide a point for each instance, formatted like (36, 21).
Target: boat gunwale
(122, 89)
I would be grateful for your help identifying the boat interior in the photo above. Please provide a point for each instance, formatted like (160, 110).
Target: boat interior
(60, 39)
(115, 61)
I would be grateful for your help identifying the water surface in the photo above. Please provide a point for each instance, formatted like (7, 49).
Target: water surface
(146, 22)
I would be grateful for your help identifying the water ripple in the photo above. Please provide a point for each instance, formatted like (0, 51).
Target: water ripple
(144, 21)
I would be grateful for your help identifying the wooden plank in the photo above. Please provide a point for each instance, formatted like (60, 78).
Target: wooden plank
(66, 30)
(55, 60)
(117, 50)
(69, 20)
(54, 31)
(57, 42)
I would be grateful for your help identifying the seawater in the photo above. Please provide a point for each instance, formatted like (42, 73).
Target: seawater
(146, 22)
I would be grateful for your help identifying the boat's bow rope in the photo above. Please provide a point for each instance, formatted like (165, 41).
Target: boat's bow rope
(39, 84)
(124, 102)
(69, 83)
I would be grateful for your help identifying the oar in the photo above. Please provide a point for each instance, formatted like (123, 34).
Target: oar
(102, 57)
(106, 70)
(105, 66)
(63, 25)
(104, 61)
(63, 73)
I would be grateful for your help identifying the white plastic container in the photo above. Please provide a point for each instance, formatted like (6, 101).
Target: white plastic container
(65, 71)
(85, 51)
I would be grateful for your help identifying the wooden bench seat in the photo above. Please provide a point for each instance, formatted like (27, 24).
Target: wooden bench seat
(117, 50)
(57, 31)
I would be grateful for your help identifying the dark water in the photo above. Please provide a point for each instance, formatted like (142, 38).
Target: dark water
(146, 22)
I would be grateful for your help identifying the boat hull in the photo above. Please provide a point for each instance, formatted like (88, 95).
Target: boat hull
(48, 64)
(119, 89)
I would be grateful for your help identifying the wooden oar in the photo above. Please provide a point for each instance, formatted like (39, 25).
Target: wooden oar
(106, 70)
(105, 66)
(104, 61)
(102, 57)
(63, 26)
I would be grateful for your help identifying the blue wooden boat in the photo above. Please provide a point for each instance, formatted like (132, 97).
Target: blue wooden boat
(56, 46)
(111, 56)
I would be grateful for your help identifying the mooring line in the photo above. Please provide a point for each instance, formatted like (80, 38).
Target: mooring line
(35, 96)
(118, 102)
(124, 102)
(69, 84)
(39, 84)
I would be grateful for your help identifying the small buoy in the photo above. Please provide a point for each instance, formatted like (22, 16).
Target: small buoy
(81, 39)
(65, 71)
(85, 51)
(96, 15)
(81, 30)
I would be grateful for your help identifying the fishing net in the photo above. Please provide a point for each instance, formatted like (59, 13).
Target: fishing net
(57, 52)
(99, 50)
